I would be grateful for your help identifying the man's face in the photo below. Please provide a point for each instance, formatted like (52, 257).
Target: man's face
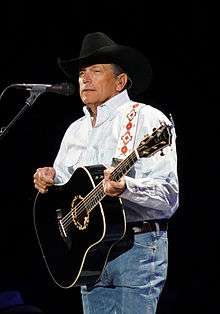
(97, 83)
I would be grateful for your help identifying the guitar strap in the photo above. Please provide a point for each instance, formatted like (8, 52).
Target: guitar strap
(128, 132)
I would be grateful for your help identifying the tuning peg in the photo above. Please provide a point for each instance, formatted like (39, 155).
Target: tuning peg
(162, 153)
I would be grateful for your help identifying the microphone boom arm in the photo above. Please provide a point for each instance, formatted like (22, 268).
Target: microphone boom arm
(34, 94)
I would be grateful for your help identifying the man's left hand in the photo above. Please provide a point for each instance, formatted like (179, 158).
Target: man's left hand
(113, 188)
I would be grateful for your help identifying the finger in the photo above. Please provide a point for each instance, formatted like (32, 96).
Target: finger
(41, 188)
(41, 182)
(107, 174)
(109, 189)
(46, 174)
(43, 191)
(45, 178)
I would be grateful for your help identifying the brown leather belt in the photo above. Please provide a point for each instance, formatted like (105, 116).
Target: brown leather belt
(147, 226)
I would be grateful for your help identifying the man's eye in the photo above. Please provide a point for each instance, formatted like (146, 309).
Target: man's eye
(96, 70)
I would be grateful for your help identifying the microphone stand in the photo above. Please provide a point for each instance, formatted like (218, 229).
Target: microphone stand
(34, 94)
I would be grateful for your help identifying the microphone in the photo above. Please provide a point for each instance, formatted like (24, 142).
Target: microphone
(65, 89)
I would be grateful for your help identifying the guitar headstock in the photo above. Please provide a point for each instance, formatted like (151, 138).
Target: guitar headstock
(159, 139)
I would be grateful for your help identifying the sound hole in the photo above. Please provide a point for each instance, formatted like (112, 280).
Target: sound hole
(79, 213)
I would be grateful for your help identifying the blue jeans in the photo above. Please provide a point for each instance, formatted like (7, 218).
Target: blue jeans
(132, 281)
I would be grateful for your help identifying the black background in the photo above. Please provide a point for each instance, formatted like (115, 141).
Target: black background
(181, 43)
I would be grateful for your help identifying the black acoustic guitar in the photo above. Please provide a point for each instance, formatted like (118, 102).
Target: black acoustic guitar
(77, 224)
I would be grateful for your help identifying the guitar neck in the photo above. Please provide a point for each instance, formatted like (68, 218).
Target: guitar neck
(124, 166)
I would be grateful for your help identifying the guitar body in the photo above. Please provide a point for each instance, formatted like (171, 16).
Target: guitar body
(76, 250)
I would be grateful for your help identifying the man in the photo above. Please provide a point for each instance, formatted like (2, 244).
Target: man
(113, 126)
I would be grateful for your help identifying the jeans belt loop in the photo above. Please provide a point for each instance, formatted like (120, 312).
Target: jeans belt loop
(157, 228)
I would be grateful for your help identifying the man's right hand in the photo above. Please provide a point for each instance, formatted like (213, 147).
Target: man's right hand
(44, 178)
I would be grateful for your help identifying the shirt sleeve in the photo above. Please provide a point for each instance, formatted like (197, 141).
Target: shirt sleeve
(152, 187)
(62, 163)
(62, 173)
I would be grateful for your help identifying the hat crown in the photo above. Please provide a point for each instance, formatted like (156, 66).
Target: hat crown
(94, 41)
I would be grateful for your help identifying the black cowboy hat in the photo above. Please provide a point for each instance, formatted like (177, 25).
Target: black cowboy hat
(99, 48)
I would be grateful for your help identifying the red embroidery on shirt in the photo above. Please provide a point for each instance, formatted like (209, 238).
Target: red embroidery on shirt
(129, 125)
(131, 114)
(124, 149)
(126, 137)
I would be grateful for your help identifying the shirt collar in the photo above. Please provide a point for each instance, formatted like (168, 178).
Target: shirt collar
(109, 108)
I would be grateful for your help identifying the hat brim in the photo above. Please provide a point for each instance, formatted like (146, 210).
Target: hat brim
(134, 63)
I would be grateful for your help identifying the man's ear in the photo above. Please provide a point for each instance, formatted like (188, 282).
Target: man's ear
(122, 80)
